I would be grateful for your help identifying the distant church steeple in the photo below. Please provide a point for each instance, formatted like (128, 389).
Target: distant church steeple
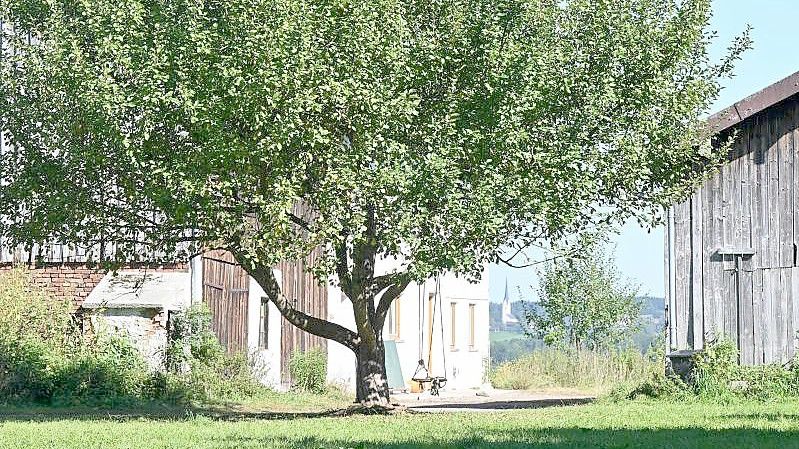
(507, 316)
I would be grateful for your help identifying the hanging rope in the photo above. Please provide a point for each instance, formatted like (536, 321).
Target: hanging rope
(421, 324)
(422, 373)
(441, 320)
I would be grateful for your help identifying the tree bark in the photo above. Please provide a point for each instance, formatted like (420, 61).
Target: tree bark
(371, 383)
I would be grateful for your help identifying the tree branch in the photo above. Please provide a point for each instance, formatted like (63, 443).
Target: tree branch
(395, 284)
(265, 277)
(342, 266)
(299, 221)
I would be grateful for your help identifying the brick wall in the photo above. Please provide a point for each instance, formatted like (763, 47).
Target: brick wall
(74, 281)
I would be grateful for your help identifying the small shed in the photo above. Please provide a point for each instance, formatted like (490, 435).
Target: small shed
(731, 265)
(138, 304)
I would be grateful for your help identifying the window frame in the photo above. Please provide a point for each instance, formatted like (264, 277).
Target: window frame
(453, 337)
(472, 326)
(263, 324)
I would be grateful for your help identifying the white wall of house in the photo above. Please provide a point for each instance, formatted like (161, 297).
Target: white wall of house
(265, 361)
(459, 344)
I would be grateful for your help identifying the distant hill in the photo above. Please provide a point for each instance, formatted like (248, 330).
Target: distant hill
(509, 342)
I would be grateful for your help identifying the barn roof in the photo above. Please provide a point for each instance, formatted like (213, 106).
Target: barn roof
(757, 102)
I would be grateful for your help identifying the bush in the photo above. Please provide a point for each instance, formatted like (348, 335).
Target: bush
(196, 358)
(309, 370)
(27, 369)
(594, 370)
(718, 376)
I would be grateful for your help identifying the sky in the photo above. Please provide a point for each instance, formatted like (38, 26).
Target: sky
(639, 252)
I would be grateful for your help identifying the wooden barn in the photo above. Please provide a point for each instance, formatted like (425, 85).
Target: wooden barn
(731, 248)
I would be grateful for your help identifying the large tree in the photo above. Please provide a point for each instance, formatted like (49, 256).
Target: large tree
(443, 134)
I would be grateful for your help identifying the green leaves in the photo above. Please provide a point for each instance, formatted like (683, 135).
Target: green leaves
(461, 125)
(584, 302)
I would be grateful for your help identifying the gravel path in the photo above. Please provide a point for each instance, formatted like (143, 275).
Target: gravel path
(487, 400)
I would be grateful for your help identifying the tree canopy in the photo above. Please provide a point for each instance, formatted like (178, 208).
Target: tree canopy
(439, 133)
(584, 302)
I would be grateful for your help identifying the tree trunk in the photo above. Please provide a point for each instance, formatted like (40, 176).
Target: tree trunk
(371, 383)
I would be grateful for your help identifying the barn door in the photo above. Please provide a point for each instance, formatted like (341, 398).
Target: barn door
(225, 292)
(309, 296)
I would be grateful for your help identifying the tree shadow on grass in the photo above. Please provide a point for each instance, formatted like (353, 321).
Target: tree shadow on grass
(504, 405)
(553, 438)
(220, 412)
(154, 412)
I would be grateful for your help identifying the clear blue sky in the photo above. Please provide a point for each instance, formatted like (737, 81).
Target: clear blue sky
(776, 42)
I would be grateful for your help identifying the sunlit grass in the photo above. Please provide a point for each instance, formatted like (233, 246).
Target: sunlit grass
(637, 424)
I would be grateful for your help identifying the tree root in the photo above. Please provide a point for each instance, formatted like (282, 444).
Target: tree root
(371, 409)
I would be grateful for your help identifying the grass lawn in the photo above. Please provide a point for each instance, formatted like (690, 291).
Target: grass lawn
(605, 425)
(500, 336)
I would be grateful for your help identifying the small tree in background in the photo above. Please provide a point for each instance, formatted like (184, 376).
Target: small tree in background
(585, 303)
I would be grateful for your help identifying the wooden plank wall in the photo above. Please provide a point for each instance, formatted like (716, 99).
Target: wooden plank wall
(226, 293)
(309, 296)
(751, 202)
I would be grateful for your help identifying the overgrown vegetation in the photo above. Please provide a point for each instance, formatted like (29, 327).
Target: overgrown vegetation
(309, 370)
(46, 359)
(591, 371)
(199, 361)
(717, 376)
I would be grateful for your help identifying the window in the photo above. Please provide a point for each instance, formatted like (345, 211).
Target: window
(452, 322)
(263, 325)
(393, 320)
(471, 327)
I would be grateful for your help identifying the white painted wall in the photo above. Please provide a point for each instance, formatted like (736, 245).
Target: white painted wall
(340, 359)
(465, 365)
(265, 362)
(143, 327)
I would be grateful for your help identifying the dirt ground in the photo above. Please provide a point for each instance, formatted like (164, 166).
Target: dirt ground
(488, 399)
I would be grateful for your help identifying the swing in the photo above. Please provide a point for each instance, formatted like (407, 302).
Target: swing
(422, 374)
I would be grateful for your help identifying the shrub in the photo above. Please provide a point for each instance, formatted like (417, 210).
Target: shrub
(28, 369)
(191, 340)
(107, 370)
(27, 312)
(196, 358)
(718, 376)
(309, 370)
(715, 368)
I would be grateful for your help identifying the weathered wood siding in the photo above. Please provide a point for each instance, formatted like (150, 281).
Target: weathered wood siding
(731, 262)
(309, 296)
(226, 293)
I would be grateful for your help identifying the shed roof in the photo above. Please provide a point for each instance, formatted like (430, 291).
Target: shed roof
(757, 102)
(141, 289)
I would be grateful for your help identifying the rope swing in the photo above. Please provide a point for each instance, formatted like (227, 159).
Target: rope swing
(422, 375)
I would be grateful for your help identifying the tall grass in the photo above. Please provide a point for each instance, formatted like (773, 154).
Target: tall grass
(590, 371)
(46, 359)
